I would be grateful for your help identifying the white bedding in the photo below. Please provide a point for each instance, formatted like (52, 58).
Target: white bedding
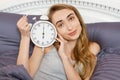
(92, 11)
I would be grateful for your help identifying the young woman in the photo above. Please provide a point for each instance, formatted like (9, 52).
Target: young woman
(76, 53)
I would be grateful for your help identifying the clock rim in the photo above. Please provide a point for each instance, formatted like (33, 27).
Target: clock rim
(45, 21)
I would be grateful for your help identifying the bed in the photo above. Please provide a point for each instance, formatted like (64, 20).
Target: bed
(102, 23)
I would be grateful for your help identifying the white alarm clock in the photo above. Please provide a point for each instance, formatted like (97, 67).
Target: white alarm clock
(43, 33)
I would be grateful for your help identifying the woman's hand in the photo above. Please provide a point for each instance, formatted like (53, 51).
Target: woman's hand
(24, 27)
(23, 55)
(64, 52)
(63, 46)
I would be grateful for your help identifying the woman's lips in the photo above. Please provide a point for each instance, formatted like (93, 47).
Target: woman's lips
(72, 33)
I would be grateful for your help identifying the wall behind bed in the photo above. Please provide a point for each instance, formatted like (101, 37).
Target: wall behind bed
(99, 10)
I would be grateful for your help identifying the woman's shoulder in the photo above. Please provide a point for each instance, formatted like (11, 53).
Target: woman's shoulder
(94, 47)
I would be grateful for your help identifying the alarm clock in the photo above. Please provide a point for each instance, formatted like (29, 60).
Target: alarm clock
(43, 33)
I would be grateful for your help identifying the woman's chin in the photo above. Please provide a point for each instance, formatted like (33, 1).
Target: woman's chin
(72, 38)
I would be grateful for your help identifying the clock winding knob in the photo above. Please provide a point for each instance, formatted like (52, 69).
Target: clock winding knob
(44, 17)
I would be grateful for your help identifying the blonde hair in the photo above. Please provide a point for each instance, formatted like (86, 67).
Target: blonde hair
(82, 53)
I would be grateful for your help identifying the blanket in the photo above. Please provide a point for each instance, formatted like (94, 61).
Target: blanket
(8, 68)
(14, 72)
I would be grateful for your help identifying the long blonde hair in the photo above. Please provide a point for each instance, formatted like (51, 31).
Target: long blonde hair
(82, 53)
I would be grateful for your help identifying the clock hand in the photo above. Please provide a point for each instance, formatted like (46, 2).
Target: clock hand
(43, 33)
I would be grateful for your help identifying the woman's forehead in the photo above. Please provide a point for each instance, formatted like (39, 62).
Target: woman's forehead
(62, 14)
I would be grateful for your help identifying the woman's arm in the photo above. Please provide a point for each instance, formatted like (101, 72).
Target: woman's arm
(95, 49)
(69, 69)
(23, 54)
(35, 60)
(31, 64)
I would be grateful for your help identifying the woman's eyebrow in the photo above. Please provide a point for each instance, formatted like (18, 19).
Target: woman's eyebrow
(70, 14)
(58, 21)
(67, 17)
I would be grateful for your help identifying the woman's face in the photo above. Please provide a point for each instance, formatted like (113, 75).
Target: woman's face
(67, 24)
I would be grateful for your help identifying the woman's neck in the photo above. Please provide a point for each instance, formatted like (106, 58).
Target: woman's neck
(71, 44)
(70, 48)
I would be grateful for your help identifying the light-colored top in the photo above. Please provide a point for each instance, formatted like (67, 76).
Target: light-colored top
(51, 67)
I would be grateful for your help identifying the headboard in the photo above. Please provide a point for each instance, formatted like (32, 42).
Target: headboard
(91, 11)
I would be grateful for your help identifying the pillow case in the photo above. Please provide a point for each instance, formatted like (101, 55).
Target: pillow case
(9, 33)
(108, 65)
(105, 33)
(10, 37)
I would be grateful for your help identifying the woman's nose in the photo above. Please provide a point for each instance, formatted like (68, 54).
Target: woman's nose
(69, 26)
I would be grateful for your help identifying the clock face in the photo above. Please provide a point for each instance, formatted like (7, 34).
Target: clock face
(43, 33)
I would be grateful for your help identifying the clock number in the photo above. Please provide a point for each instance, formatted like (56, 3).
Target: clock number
(38, 41)
(47, 41)
(51, 29)
(52, 34)
(51, 38)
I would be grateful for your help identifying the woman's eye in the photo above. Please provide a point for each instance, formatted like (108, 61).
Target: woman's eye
(71, 18)
(60, 25)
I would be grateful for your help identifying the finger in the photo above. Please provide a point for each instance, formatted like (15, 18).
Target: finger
(22, 22)
(21, 19)
(60, 37)
(58, 40)
(27, 27)
(25, 17)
